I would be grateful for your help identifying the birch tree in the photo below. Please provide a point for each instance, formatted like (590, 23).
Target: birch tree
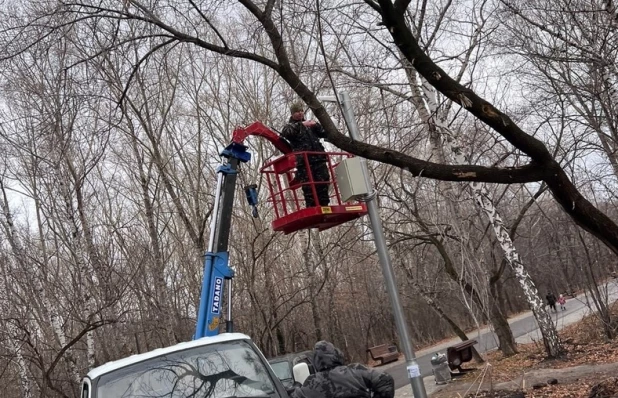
(425, 101)
(41, 267)
(445, 140)
(13, 342)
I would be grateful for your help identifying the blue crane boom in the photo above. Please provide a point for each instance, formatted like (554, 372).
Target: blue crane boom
(217, 272)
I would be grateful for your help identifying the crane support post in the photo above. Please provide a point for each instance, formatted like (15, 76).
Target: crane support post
(216, 262)
(216, 271)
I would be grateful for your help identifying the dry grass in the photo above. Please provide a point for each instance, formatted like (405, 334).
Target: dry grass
(584, 342)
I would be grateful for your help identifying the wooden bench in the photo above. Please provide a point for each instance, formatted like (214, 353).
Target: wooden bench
(459, 353)
(384, 353)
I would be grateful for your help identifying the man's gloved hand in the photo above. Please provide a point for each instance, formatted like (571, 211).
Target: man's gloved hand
(309, 123)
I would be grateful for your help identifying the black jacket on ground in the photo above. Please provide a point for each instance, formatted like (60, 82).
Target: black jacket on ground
(334, 380)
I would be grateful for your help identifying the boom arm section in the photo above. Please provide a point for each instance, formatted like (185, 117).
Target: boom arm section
(257, 128)
(217, 272)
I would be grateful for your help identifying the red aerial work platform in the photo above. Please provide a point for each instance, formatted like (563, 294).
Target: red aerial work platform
(286, 194)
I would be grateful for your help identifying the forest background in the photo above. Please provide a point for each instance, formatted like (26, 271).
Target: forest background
(113, 115)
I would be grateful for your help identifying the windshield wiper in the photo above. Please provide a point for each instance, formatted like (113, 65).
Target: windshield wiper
(251, 396)
(268, 394)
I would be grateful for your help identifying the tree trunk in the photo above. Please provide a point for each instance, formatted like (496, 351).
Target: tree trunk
(280, 340)
(163, 306)
(39, 285)
(481, 196)
(582, 211)
(506, 341)
(14, 345)
(553, 347)
(428, 110)
(599, 300)
(434, 306)
(22, 367)
(313, 299)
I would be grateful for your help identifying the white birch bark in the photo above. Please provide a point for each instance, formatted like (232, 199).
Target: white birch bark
(89, 304)
(425, 102)
(39, 280)
(88, 275)
(13, 344)
(612, 89)
(25, 381)
(531, 293)
(90, 355)
(484, 201)
(427, 106)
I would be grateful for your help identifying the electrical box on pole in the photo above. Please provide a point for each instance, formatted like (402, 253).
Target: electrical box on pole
(351, 179)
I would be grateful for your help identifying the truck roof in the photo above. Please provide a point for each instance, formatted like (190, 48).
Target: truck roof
(120, 363)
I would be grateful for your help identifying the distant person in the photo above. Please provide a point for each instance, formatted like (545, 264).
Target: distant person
(336, 380)
(551, 301)
(562, 301)
(304, 136)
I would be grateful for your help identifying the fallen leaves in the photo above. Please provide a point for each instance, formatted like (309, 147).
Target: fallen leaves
(514, 376)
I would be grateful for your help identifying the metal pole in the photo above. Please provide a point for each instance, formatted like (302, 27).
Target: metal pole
(229, 324)
(414, 374)
(215, 213)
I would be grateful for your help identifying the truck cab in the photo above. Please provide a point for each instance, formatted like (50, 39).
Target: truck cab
(224, 366)
(283, 366)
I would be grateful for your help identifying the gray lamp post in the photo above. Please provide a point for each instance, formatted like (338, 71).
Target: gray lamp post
(414, 374)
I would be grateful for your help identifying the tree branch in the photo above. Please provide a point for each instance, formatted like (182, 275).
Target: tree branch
(205, 18)
(401, 5)
(115, 14)
(572, 201)
(141, 61)
(373, 5)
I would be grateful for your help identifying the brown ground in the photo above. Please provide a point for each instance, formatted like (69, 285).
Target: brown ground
(590, 359)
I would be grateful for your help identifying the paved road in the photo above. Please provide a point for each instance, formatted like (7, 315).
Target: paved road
(524, 329)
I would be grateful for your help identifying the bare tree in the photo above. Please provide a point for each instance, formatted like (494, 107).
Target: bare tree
(164, 32)
(121, 139)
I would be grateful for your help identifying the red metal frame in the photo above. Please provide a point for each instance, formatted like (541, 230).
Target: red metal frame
(290, 212)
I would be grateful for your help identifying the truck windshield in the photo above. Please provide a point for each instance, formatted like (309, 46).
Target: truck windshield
(224, 370)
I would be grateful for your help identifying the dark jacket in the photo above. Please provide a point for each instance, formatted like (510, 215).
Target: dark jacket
(303, 138)
(334, 380)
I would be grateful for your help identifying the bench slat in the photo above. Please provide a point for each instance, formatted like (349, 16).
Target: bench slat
(463, 345)
(384, 353)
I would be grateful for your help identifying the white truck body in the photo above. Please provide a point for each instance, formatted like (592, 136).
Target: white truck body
(223, 366)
